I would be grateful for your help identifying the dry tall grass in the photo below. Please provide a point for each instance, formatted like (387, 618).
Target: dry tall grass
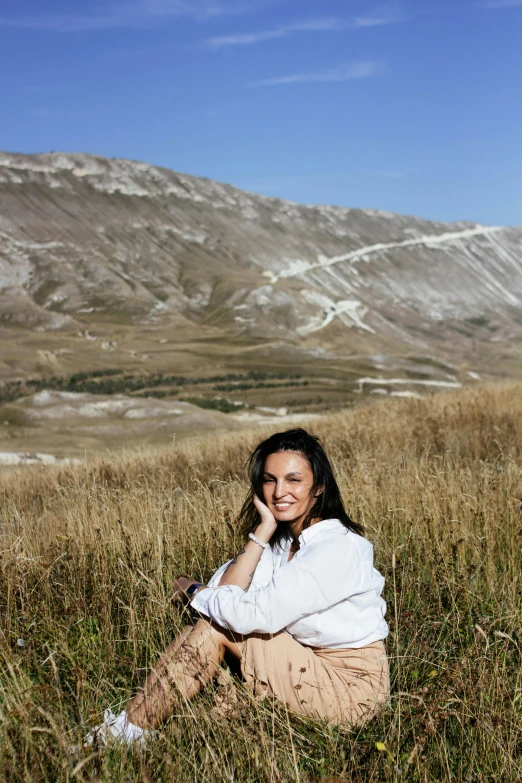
(89, 555)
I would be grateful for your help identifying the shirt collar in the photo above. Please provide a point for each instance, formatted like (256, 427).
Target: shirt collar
(319, 527)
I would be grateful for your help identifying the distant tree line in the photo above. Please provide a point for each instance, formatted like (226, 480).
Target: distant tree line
(260, 385)
(114, 381)
(216, 404)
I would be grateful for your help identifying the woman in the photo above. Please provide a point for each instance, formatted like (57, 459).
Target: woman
(300, 605)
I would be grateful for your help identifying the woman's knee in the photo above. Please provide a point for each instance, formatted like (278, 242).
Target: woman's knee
(204, 626)
(206, 629)
(217, 637)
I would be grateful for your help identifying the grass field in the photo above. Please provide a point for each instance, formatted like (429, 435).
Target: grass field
(89, 554)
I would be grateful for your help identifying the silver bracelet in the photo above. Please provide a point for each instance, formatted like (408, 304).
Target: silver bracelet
(256, 540)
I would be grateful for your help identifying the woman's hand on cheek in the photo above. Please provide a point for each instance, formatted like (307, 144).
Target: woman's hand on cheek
(268, 522)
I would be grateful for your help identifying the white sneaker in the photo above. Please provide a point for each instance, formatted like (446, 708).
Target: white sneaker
(116, 729)
(105, 732)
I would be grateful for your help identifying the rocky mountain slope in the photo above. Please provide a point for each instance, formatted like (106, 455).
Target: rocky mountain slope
(101, 260)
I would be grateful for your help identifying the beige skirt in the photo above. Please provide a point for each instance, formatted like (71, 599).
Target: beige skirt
(341, 686)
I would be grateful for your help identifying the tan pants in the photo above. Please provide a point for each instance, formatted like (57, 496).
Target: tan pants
(342, 686)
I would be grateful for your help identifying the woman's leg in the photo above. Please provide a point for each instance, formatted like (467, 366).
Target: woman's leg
(187, 665)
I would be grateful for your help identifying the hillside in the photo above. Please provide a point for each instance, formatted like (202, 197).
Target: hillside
(114, 266)
(120, 249)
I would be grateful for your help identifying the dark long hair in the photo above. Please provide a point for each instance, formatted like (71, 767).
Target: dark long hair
(328, 505)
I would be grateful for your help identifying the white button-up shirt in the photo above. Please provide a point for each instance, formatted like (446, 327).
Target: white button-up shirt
(328, 595)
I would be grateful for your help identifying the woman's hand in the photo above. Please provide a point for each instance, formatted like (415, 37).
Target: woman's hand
(180, 588)
(240, 571)
(268, 525)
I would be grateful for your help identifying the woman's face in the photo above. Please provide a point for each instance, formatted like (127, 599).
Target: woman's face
(287, 486)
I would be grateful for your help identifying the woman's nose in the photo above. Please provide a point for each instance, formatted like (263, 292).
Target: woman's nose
(279, 488)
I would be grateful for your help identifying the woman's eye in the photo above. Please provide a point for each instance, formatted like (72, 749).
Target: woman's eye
(266, 480)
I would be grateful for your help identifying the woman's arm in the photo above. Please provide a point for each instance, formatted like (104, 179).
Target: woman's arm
(319, 578)
(241, 570)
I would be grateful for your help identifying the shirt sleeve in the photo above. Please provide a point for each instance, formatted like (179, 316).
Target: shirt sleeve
(214, 579)
(315, 579)
(263, 573)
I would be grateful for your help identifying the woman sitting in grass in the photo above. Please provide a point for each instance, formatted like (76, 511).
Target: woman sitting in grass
(299, 606)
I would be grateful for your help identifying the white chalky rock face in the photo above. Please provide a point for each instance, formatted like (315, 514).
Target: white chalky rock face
(11, 458)
(97, 237)
(51, 404)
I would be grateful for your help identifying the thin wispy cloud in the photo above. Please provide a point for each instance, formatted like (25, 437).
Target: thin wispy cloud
(132, 13)
(373, 21)
(245, 39)
(365, 69)
(381, 16)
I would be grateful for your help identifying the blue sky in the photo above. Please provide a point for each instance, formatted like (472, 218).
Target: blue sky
(410, 107)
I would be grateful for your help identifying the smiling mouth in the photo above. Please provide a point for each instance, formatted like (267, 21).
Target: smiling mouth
(282, 506)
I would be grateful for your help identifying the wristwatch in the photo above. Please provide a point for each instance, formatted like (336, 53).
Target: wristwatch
(192, 589)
